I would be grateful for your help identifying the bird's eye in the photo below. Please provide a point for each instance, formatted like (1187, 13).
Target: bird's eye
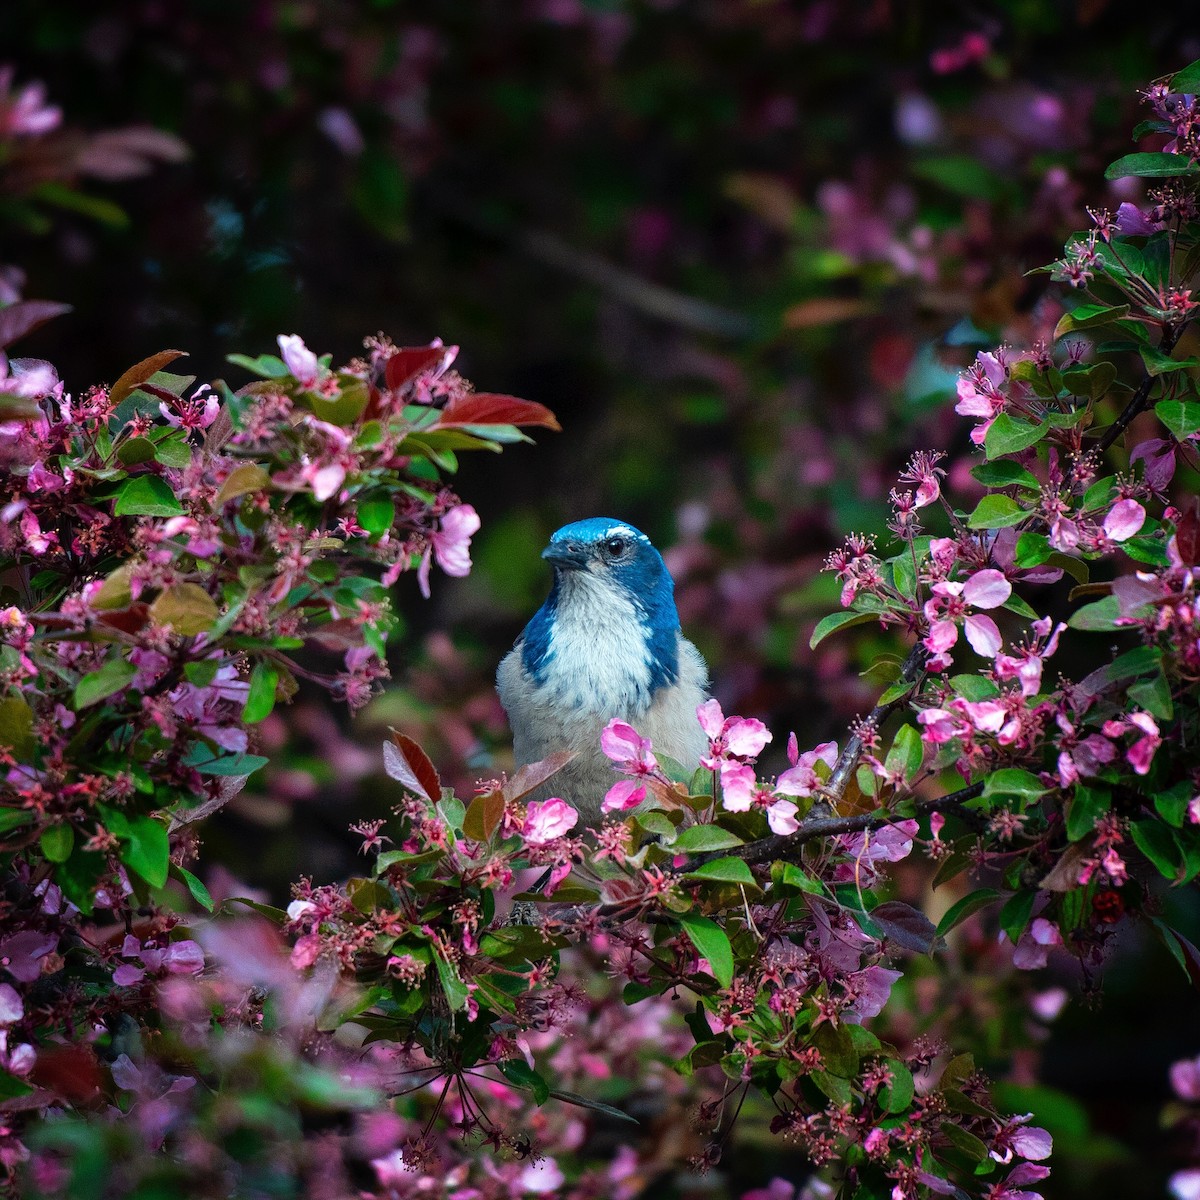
(615, 547)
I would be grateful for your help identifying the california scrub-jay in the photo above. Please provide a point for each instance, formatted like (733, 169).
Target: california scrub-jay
(606, 643)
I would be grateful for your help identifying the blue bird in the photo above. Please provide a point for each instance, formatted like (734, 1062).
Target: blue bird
(606, 643)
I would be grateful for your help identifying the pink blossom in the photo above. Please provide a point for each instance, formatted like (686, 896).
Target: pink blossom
(1032, 950)
(1124, 520)
(392, 1171)
(742, 737)
(25, 113)
(541, 1177)
(324, 478)
(738, 786)
(12, 1007)
(299, 359)
(1048, 1004)
(626, 794)
(546, 820)
(987, 589)
(1185, 1184)
(781, 816)
(777, 1189)
(1015, 1136)
(306, 951)
(871, 989)
(889, 844)
(801, 778)
(184, 958)
(1141, 753)
(197, 413)
(451, 545)
(1011, 1188)
(627, 748)
(983, 635)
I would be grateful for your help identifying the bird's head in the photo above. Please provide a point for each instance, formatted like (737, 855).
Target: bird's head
(608, 572)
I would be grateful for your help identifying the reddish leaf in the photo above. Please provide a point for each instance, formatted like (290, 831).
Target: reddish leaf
(409, 765)
(70, 1072)
(129, 620)
(140, 372)
(1187, 535)
(16, 320)
(405, 365)
(905, 925)
(533, 775)
(483, 814)
(491, 408)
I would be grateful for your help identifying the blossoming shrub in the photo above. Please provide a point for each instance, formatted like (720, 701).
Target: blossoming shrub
(165, 551)
(176, 552)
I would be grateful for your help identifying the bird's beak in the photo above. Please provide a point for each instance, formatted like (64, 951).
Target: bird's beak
(570, 556)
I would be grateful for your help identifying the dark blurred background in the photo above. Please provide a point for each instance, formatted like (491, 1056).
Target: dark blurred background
(740, 247)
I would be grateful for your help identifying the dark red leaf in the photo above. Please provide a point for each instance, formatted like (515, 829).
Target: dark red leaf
(140, 372)
(405, 365)
(16, 320)
(1187, 535)
(409, 765)
(905, 925)
(533, 775)
(491, 408)
(70, 1072)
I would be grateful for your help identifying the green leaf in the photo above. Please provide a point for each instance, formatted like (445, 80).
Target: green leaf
(897, 1095)
(1013, 781)
(1015, 914)
(968, 1143)
(186, 607)
(1100, 616)
(1005, 473)
(11, 1087)
(520, 1074)
(146, 496)
(197, 889)
(711, 943)
(907, 753)
(455, 990)
(786, 874)
(1186, 81)
(995, 511)
(835, 621)
(1181, 417)
(16, 726)
(1158, 363)
(135, 450)
(1151, 165)
(113, 677)
(1172, 803)
(595, 1105)
(174, 452)
(725, 870)
(1154, 695)
(267, 366)
(1089, 316)
(57, 842)
(148, 851)
(208, 763)
(1008, 435)
(838, 1052)
(699, 838)
(260, 699)
(377, 516)
(971, 903)
(1087, 804)
(1155, 841)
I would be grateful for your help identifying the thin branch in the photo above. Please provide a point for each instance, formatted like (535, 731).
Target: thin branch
(1140, 398)
(782, 847)
(910, 672)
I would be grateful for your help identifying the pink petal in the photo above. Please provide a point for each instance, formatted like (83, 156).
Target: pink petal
(983, 635)
(1125, 519)
(746, 736)
(987, 589)
(623, 796)
(737, 786)
(711, 718)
